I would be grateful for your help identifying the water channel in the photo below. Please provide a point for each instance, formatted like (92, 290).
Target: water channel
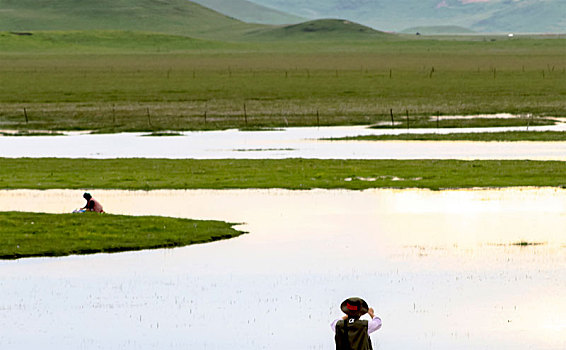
(442, 268)
(281, 143)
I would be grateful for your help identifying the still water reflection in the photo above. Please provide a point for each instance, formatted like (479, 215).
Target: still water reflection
(278, 144)
(440, 268)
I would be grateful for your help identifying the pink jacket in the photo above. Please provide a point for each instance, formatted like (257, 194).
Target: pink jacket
(97, 207)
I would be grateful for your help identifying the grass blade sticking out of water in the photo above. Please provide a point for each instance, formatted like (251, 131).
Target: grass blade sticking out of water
(35, 234)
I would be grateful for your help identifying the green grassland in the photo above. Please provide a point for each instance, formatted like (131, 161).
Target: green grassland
(507, 136)
(34, 234)
(149, 174)
(130, 81)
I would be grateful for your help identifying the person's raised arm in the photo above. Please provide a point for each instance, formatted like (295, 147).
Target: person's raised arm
(375, 322)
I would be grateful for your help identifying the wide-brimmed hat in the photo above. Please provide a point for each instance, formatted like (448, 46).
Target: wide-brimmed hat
(354, 307)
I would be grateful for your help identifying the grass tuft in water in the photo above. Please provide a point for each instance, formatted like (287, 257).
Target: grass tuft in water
(525, 243)
(163, 133)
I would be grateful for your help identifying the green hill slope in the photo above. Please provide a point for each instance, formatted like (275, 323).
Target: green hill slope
(179, 17)
(250, 12)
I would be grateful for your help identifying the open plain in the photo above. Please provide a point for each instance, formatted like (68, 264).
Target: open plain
(112, 81)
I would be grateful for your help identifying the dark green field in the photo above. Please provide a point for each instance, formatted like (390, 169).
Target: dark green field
(149, 174)
(34, 234)
(126, 81)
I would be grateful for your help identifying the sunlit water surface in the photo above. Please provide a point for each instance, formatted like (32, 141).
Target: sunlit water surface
(440, 268)
(283, 143)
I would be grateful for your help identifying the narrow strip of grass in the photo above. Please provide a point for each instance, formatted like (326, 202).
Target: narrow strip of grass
(507, 136)
(35, 234)
(432, 123)
(148, 174)
(31, 133)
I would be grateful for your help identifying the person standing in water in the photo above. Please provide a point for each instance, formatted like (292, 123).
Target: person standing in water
(351, 332)
(92, 204)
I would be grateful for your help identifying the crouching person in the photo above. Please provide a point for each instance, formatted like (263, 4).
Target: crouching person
(92, 204)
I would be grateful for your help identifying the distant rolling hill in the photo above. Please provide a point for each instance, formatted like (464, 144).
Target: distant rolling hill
(323, 29)
(250, 12)
(180, 17)
(177, 17)
(527, 16)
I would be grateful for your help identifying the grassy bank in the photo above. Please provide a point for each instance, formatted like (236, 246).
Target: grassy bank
(33, 235)
(148, 174)
(508, 136)
(116, 81)
(404, 122)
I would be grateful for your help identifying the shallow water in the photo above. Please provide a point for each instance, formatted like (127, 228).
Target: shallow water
(284, 143)
(440, 268)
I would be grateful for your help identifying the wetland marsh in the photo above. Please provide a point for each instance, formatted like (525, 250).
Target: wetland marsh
(466, 269)
(450, 277)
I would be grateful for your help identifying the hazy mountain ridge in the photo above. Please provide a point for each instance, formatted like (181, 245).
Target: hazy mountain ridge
(250, 12)
(396, 15)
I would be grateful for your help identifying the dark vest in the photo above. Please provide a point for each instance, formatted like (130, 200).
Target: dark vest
(352, 334)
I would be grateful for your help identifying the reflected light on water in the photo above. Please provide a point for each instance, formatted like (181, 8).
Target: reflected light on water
(284, 143)
(440, 268)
